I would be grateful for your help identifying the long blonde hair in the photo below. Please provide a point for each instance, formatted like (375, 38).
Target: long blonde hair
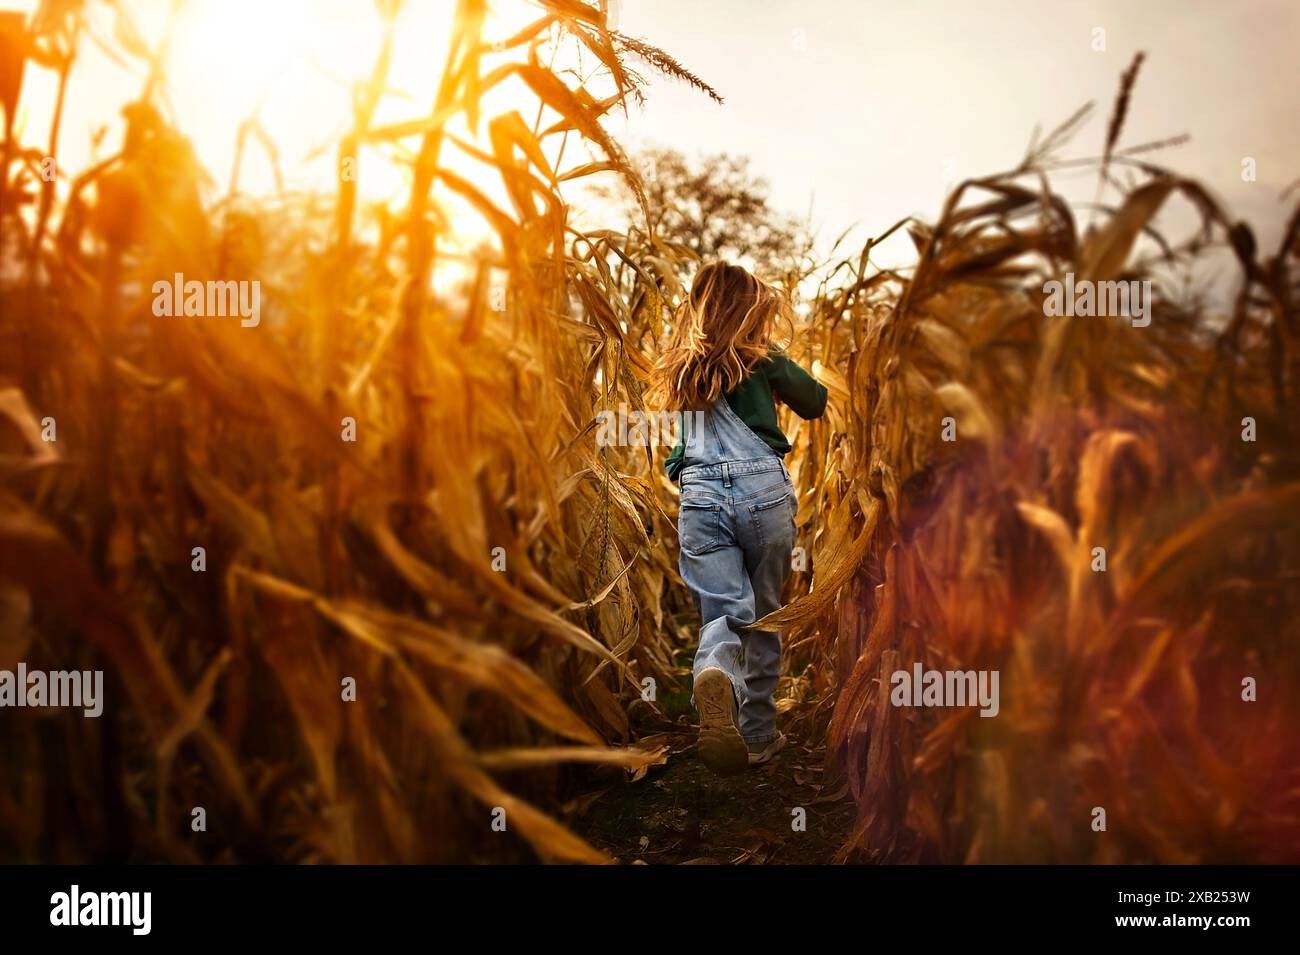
(722, 330)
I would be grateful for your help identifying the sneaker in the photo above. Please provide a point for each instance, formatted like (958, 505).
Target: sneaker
(760, 753)
(721, 747)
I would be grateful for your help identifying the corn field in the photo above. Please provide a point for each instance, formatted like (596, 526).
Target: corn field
(397, 494)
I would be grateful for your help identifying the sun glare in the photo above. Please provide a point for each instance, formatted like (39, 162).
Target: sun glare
(244, 45)
(293, 64)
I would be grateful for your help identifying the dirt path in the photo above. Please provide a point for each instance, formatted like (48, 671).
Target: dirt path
(681, 812)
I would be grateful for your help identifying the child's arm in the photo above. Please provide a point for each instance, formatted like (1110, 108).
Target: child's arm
(674, 462)
(798, 389)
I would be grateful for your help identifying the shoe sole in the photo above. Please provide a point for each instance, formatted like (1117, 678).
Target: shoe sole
(774, 747)
(721, 747)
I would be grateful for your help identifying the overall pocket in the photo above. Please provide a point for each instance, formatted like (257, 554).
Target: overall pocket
(699, 524)
(774, 519)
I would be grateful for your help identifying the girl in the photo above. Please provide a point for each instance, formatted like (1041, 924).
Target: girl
(736, 521)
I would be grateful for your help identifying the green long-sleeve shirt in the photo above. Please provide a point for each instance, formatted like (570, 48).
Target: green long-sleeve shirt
(753, 402)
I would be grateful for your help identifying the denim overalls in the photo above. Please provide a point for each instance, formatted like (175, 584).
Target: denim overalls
(737, 533)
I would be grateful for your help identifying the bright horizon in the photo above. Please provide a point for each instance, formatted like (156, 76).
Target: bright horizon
(861, 112)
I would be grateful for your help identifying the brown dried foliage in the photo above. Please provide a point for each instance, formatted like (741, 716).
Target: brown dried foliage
(373, 560)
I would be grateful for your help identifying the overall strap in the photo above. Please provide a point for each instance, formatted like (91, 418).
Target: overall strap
(738, 441)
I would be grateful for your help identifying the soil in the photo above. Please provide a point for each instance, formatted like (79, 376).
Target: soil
(680, 812)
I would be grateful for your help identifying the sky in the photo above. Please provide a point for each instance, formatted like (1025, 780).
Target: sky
(856, 112)
(868, 111)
